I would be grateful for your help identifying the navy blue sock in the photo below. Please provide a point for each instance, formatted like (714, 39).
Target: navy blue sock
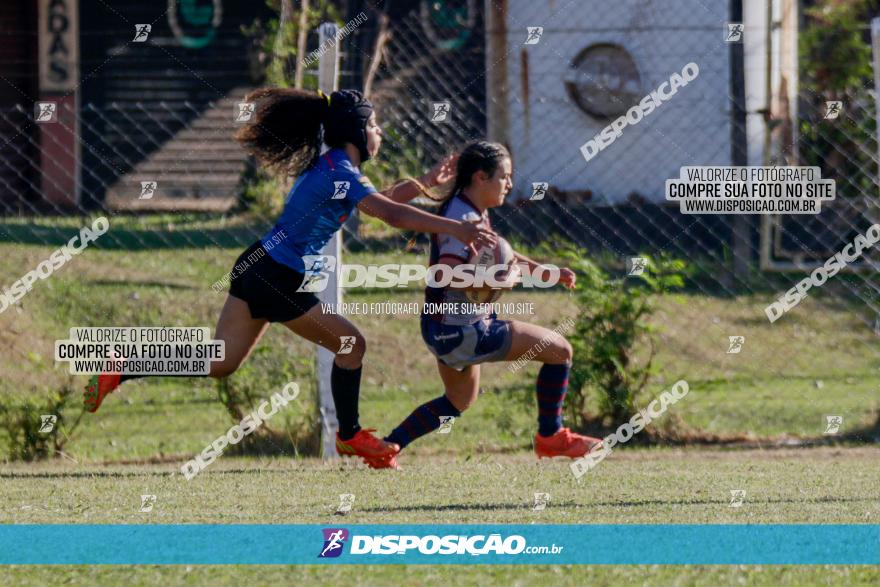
(424, 419)
(551, 387)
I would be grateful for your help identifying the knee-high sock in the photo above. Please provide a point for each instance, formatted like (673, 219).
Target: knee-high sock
(345, 384)
(424, 419)
(551, 387)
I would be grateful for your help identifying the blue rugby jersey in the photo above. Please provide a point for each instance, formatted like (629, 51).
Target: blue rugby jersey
(316, 207)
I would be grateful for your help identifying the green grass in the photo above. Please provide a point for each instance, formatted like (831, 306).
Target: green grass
(822, 485)
(819, 359)
(514, 576)
(654, 486)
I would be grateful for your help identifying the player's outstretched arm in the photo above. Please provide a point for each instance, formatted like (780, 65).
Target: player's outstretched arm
(567, 277)
(522, 259)
(406, 190)
(407, 217)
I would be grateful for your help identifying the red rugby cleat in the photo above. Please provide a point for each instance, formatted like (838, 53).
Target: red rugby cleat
(386, 462)
(98, 388)
(368, 447)
(565, 443)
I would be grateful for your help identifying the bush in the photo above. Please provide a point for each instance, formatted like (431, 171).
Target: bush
(612, 322)
(296, 429)
(401, 157)
(22, 433)
(275, 42)
(835, 62)
(264, 194)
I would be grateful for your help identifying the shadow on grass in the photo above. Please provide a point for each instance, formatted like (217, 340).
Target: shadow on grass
(136, 239)
(462, 507)
(275, 443)
(627, 504)
(125, 237)
(867, 434)
(82, 474)
(131, 474)
(133, 282)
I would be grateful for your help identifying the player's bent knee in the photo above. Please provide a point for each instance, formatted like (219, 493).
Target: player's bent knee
(461, 403)
(560, 353)
(568, 351)
(351, 351)
(461, 406)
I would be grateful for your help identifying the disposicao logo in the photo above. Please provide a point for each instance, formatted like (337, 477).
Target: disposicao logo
(334, 540)
(448, 545)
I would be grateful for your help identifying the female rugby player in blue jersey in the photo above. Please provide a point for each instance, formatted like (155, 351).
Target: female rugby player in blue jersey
(286, 136)
(461, 341)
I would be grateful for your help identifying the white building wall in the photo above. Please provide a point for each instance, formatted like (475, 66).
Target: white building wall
(546, 129)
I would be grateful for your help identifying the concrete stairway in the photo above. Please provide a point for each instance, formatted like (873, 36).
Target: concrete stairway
(198, 168)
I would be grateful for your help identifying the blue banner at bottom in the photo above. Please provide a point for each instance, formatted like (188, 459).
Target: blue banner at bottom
(247, 544)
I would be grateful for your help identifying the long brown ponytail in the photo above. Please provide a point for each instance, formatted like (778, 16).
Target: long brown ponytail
(476, 156)
(285, 135)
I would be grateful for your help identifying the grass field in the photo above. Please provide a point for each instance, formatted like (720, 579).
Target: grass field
(702, 576)
(818, 360)
(823, 485)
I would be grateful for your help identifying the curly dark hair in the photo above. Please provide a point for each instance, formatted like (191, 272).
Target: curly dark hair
(285, 135)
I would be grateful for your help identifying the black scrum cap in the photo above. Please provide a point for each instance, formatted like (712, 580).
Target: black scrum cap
(347, 120)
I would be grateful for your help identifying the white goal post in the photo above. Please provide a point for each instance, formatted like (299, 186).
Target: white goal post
(328, 81)
(875, 45)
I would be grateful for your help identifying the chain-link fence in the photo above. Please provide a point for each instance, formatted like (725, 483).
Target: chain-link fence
(183, 152)
(544, 78)
(557, 74)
